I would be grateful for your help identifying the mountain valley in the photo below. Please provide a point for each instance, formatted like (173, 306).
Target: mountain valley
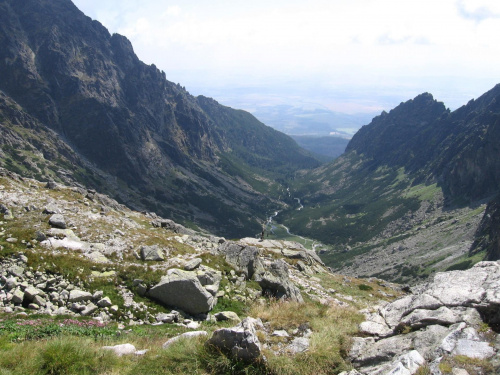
(137, 212)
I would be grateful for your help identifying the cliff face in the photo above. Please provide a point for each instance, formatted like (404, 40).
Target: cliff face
(458, 149)
(402, 137)
(142, 131)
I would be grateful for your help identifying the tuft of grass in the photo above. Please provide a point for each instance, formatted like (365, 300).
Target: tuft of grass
(423, 370)
(365, 287)
(474, 366)
(18, 330)
(65, 356)
(332, 327)
(62, 356)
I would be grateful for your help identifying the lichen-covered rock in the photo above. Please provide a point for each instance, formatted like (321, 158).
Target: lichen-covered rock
(241, 341)
(275, 281)
(443, 314)
(57, 221)
(152, 253)
(227, 315)
(244, 258)
(192, 264)
(182, 289)
(79, 295)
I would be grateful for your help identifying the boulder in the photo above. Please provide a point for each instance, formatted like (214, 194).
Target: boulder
(122, 349)
(280, 333)
(79, 295)
(209, 276)
(227, 315)
(183, 289)
(30, 292)
(367, 352)
(421, 317)
(275, 281)
(192, 264)
(89, 309)
(172, 226)
(406, 364)
(375, 329)
(51, 209)
(299, 345)
(17, 297)
(240, 341)
(152, 253)
(57, 221)
(104, 302)
(243, 258)
(443, 315)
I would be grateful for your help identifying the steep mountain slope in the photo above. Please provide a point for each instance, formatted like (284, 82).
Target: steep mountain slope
(147, 135)
(408, 195)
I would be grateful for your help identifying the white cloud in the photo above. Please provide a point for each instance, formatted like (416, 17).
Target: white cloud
(318, 42)
(173, 10)
(478, 10)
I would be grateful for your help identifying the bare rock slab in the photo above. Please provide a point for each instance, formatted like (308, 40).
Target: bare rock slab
(182, 289)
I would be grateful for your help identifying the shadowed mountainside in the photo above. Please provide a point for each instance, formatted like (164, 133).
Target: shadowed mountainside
(187, 158)
(402, 178)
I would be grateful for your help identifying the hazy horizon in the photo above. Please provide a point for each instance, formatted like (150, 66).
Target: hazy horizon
(362, 56)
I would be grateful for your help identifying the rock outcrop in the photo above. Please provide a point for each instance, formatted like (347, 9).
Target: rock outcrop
(240, 341)
(243, 258)
(444, 317)
(275, 282)
(192, 292)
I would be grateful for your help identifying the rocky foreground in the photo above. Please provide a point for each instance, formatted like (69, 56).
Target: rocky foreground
(69, 251)
(456, 314)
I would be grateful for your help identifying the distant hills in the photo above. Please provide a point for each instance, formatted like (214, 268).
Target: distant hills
(323, 147)
(323, 132)
(299, 120)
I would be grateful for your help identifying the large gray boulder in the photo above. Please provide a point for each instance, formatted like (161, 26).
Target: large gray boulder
(192, 264)
(57, 221)
(243, 258)
(241, 341)
(79, 296)
(275, 282)
(152, 253)
(182, 289)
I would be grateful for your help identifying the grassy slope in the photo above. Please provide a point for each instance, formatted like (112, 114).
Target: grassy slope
(49, 345)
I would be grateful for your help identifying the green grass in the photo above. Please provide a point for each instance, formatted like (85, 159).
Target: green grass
(473, 366)
(40, 328)
(465, 261)
(60, 356)
(423, 192)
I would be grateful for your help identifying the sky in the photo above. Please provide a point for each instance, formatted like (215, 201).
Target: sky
(350, 56)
